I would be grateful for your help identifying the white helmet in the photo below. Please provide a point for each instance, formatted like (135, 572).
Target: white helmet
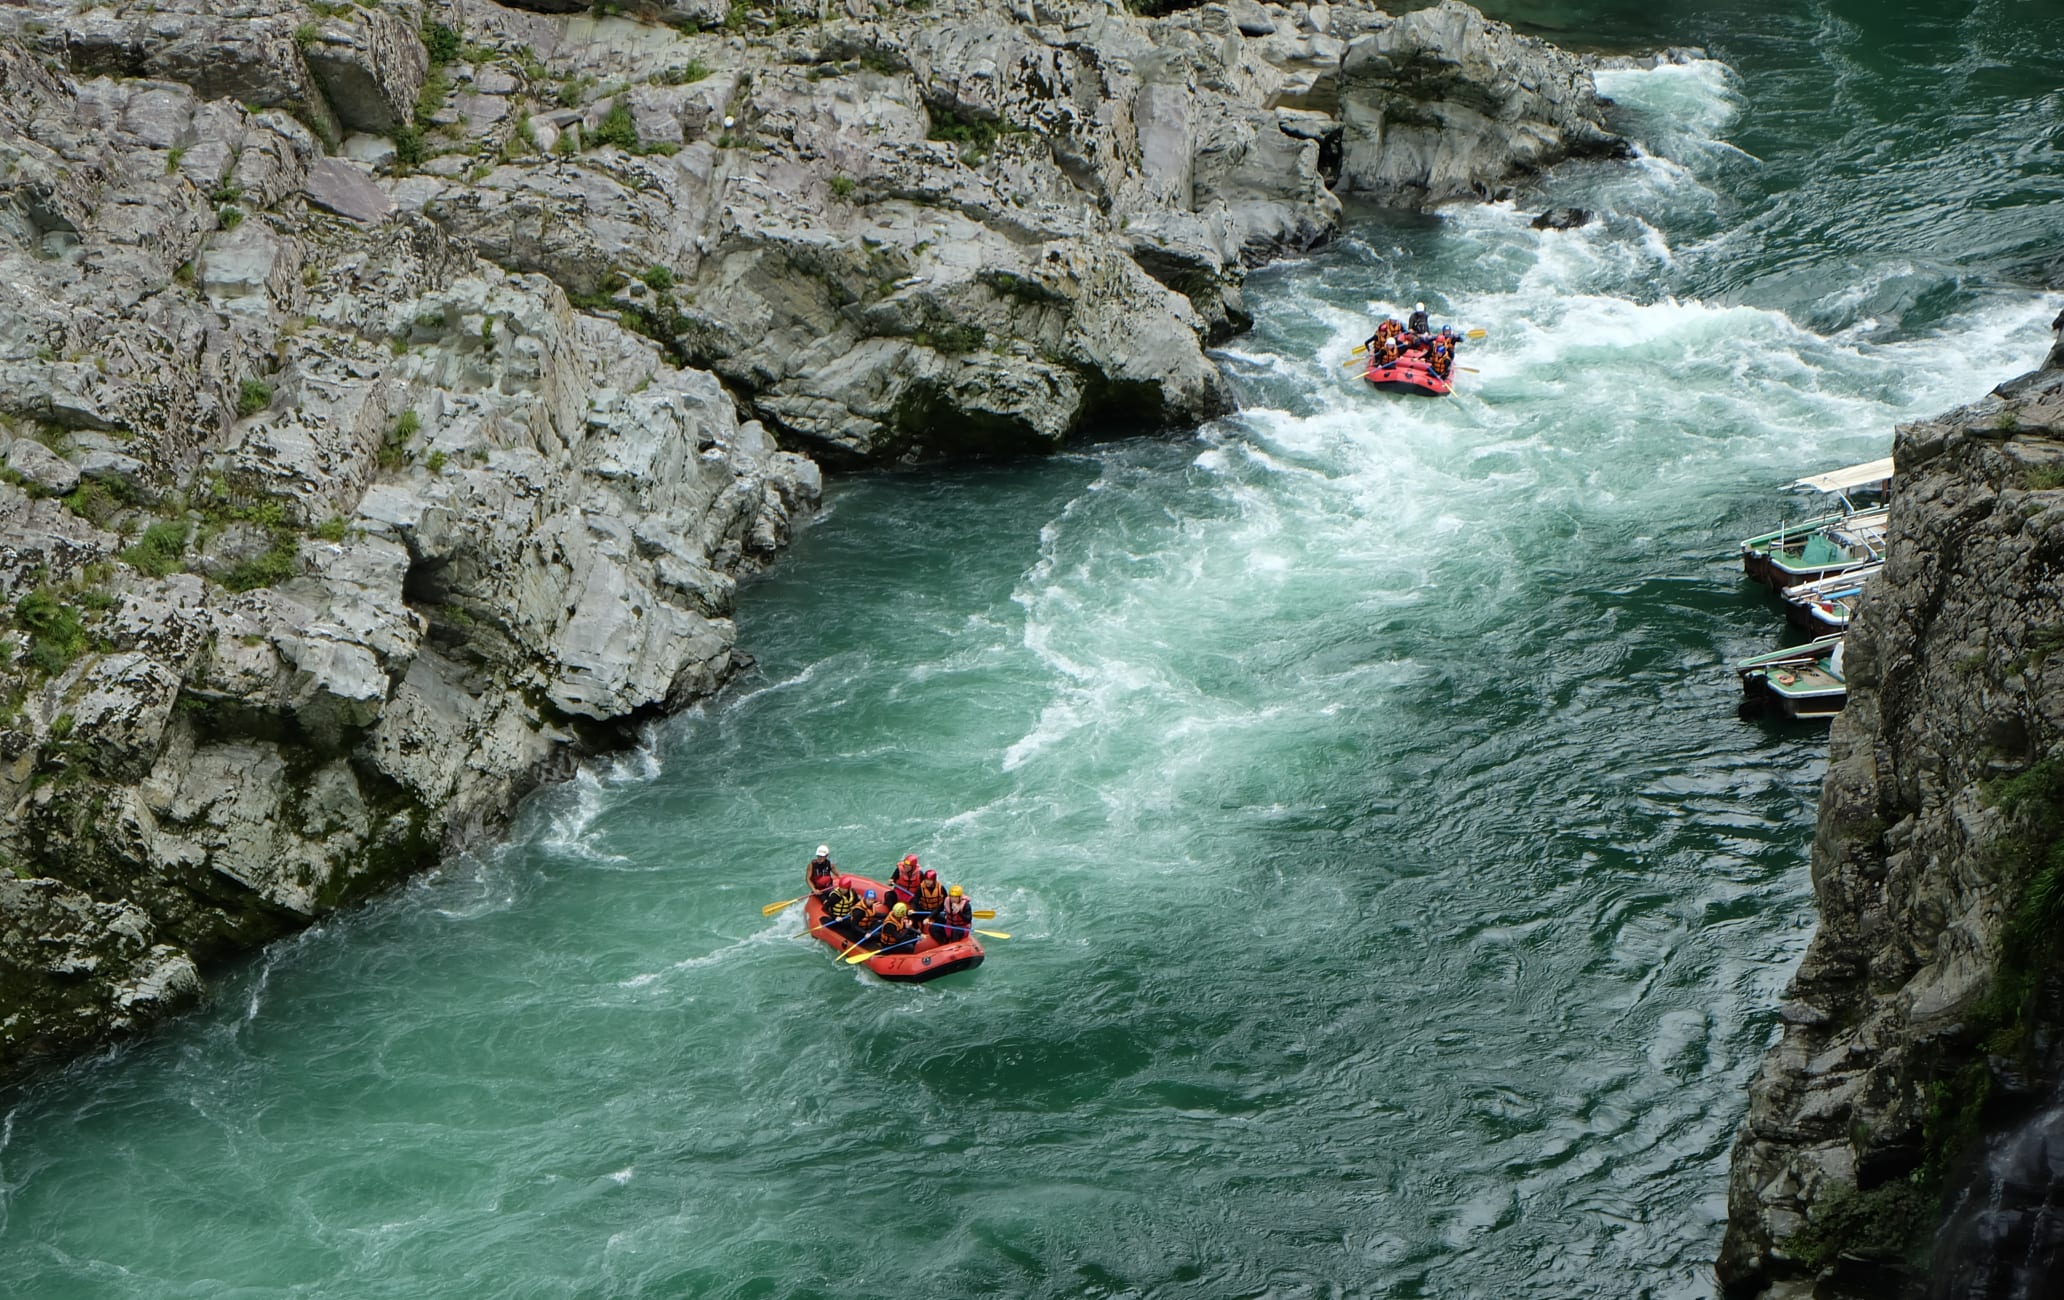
(1418, 306)
(823, 850)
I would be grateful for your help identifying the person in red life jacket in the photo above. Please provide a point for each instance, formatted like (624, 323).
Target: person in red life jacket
(931, 895)
(905, 880)
(839, 905)
(823, 872)
(956, 914)
(898, 931)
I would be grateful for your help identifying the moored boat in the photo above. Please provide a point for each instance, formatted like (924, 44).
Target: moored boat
(928, 959)
(1803, 681)
(1410, 373)
(1827, 604)
(1849, 538)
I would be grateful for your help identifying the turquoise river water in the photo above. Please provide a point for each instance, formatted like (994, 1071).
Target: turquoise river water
(1398, 905)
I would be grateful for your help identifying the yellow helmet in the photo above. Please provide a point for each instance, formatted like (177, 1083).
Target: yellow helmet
(901, 909)
(953, 892)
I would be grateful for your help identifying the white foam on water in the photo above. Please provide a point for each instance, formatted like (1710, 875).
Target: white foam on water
(787, 927)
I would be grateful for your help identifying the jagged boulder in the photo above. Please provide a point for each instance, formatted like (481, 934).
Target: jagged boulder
(370, 65)
(1445, 104)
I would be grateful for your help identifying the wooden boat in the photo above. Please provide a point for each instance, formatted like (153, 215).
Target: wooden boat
(1826, 604)
(1410, 373)
(1848, 538)
(1802, 681)
(927, 960)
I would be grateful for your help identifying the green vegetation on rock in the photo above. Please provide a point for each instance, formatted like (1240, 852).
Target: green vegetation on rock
(253, 396)
(161, 550)
(56, 634)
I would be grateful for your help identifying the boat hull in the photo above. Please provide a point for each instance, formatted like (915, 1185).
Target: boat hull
(1819, 548)
(928, 960)
(1407, 375)
(1800, 682)
(1827, 604)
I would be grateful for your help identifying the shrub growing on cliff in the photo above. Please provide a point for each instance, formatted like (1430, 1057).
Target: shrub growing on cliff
(161, 550)
(275, 566)
(1881, 1223)
(393, 452)
(96, 502)
(616, 128)
(976, 136)
(253, 396)
(56, 636)
(440, 41)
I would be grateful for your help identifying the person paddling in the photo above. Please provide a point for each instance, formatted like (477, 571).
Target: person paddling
(840, 903)
(955, 916)
(1440, 357)
(905, 881)
(931, 895)
(898, 930)
(822, 871)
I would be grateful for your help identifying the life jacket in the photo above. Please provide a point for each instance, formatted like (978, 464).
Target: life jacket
(907, 877)
(894, 931)
(930, 896)
(841, 901)
(1389, 329)
(822, 873)
(957, 912)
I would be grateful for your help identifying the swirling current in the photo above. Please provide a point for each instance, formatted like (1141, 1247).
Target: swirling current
(1398, 905)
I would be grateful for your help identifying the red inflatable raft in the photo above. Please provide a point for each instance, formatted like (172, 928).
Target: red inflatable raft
(927, 960)
(1408, 374)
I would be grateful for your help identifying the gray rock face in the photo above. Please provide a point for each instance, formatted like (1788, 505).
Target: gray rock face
(370, 65)
(1444, 103)
(439, 525)
(337, 187)
(1920, 1012)
(42, 468)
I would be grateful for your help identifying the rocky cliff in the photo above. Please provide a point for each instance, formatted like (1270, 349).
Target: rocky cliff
(392, 394)
(1921, 1033)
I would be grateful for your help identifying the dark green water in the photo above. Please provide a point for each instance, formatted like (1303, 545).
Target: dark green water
(1398, 905)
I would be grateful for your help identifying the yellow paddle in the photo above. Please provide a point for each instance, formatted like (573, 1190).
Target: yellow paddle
(994, 934)
(771, 908)
(859, 957)
(861, 940)
(985, 913)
